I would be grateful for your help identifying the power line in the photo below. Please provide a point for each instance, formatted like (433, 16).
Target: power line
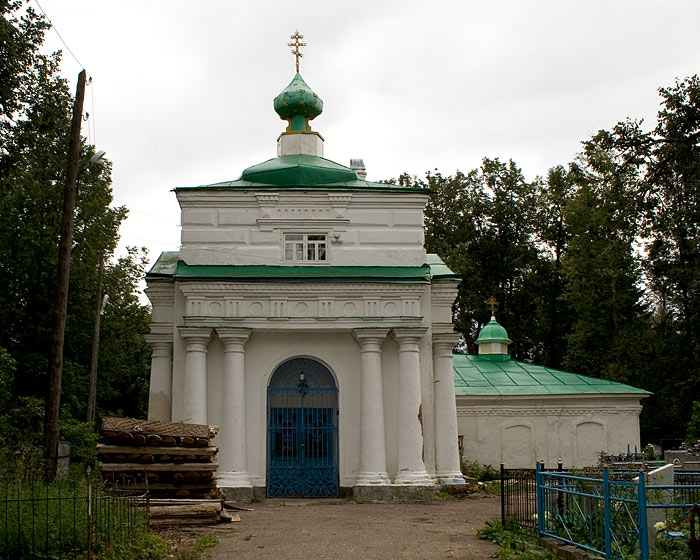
(59, 35)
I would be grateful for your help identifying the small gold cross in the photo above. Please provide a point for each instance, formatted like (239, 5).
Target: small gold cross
(296, 45)
(493, 304)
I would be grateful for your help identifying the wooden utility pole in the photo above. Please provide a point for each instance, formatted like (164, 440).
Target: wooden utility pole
(92, 393)
(53, 398)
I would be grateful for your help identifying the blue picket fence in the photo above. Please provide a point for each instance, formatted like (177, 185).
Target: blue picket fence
(611, 517)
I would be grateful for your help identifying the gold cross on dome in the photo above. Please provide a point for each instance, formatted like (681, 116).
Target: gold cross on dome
(296, 45)
(493, 304)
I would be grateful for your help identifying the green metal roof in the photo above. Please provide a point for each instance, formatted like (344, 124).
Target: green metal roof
(438, 269)
(179, 270)
(301, 172)
(493, 332)
(498, 375)
(299, 169)
(165, 266)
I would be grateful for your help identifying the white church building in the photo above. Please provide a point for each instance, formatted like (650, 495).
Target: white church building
(303, 317)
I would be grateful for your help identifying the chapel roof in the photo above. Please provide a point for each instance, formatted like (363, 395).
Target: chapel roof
(169, 266)
(498, 375)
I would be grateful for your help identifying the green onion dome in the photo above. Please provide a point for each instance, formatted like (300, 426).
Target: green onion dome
(298, 104)
(493, 332)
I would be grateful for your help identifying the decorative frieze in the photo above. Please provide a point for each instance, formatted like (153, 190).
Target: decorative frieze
(528, 411)
(291, 303)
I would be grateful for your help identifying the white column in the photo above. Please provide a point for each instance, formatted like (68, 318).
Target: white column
(372, 444)
(411, 469)
(447, 467)
(160, 393)
(195, 405)
(233, 464)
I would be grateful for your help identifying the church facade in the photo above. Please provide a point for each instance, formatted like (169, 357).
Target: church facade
(303, 317)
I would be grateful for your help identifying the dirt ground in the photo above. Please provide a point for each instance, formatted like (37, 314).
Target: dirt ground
(338, 529)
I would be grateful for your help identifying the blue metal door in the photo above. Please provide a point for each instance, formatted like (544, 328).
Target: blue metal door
(302, 431)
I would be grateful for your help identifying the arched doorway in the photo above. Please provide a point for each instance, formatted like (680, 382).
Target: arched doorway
(302, 430)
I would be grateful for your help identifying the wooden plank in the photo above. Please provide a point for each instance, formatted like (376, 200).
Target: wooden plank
(180, 501)
(190, 510)
(158, 427)
(168, 522)
(105, 448)
(159, 467)
(201, 487)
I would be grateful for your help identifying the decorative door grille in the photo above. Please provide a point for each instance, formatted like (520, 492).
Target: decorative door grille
(302, 431)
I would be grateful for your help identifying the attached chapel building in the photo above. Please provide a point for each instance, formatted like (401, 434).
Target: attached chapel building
(303, 317)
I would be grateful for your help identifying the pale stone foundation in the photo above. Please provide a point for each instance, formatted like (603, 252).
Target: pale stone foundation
(383, 492)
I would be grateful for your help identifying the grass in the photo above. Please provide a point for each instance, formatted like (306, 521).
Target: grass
(513, 546)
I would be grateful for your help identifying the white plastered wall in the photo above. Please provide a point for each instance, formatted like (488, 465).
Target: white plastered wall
(522, 430)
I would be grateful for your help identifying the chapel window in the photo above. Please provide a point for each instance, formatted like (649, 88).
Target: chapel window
(299, 247)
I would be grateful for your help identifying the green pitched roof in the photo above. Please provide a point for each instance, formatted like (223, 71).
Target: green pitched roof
(498, 375)
(168, 266)
(301, 172)
(165, 266)
(299, 169)
(438, 269)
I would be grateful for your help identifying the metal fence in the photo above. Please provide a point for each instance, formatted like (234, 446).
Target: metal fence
(519, 499)
(65, 518)
(616, 518)
(609, 512)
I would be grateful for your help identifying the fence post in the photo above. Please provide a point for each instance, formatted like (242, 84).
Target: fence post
(606, 513)
(503, 496)
(540, 500)
(89, 514)
(560, 495)
(642, 519)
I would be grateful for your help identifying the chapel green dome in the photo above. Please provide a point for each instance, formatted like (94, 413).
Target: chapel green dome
(298, 104)
(493, 332)
(299, 170)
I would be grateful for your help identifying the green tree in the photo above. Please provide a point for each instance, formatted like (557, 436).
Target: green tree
(482, 223)
(36, 108)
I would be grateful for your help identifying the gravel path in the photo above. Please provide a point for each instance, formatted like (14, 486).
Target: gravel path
(338, 529)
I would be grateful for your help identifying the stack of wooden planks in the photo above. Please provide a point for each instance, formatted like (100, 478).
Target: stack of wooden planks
(166, 459)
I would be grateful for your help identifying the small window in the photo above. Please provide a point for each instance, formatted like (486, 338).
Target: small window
(304, 247)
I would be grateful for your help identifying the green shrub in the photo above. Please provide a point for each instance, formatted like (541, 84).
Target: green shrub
(513, 546)
(482, 473)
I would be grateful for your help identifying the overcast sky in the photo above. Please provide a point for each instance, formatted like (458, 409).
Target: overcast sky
(182, 91)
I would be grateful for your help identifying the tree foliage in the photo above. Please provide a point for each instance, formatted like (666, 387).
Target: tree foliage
(597, 266)
(35, 112)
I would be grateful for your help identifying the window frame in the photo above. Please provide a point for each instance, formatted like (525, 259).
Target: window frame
(305, 244)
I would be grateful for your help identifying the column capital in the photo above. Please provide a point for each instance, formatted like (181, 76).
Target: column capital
(409, 335)
(370, 335)
(443, 343)
(233, 339)
(195, 335)
(159, 340)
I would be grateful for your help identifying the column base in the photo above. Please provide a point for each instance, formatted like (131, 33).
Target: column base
(372, 479)
(451, 478)
(415, 478)
(233, 479)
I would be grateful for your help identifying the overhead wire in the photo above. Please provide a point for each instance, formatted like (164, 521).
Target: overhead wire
(92, 131)
(59, 35)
